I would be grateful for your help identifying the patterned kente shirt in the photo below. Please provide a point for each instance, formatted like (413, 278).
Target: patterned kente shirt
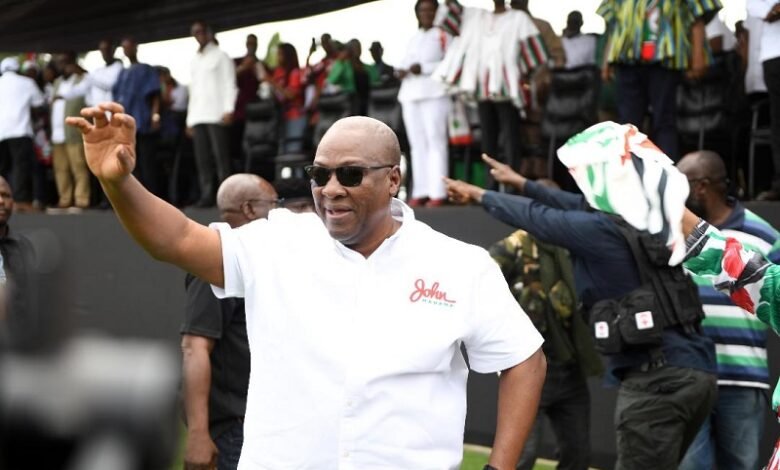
(653, 31)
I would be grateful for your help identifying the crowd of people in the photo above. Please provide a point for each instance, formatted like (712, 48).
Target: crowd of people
(581, 279)
(191, 138)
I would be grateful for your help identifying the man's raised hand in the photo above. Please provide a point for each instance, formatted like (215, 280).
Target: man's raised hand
(504, 174)
(109, 145)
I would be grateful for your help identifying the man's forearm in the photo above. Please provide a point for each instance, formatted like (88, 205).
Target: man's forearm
(164, 231)
(519, 391)
(196, 368)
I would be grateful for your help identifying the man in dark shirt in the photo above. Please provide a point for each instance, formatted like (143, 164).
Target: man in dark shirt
(660, 404)
(214, 344)
(16, 325)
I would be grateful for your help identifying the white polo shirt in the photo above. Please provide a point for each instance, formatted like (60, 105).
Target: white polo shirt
(18, 94)
(356, 362)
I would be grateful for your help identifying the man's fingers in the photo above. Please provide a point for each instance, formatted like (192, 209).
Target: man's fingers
(84, 126)
(111, 107)
(119, 120)
(490, 161)
(97, 114)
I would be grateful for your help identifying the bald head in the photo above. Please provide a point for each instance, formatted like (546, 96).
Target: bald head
(244, 197)
(703, 164)
(706, 173)
(375, 139)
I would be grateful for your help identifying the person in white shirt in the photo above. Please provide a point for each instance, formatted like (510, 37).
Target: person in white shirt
(70, 167)
(720, 37)
(580, 48)
(425, 105)
(769, 12)
(754, 72)
(97, 85)
(19, 95)
(494, 53)
(213, 94)
(355, 314)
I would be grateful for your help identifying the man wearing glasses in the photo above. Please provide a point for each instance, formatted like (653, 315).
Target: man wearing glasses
(355, 314)
(215, 350)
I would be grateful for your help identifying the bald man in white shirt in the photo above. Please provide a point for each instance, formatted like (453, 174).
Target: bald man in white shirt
(355, 314)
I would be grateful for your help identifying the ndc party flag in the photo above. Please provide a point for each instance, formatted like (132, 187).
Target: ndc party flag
(620, 171)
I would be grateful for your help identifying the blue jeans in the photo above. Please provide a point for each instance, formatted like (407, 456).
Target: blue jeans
(566, 402)
(229, 444)
(731, 435)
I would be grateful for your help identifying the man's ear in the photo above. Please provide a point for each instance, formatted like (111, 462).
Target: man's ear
(395, 180)
(248, 211)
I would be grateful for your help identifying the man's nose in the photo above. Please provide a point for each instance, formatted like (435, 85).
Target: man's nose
(332, 188)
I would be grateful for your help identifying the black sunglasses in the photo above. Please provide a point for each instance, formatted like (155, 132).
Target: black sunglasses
(349, 176)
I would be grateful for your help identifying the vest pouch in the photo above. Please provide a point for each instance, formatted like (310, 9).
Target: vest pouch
(604, 317)
(640, 322)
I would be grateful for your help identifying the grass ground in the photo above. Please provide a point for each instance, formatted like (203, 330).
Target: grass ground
(474, 458)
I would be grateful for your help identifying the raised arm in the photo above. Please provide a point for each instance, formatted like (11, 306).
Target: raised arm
(161, 229)
(548, 196)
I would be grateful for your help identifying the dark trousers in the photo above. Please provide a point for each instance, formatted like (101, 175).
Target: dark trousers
(658, 413)
(566, 403)
(772, 80)
(500, 119)
(148, 168)
(212, 158)
(229, 445)
(16, 160)
(639, 87)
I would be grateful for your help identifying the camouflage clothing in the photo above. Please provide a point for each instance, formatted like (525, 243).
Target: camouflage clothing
(540, 277)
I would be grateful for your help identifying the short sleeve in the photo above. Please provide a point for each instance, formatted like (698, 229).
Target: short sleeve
(202, 312)
(232, 256)
(501, 334)
(706, 9)
(607, 11)
(449, 17)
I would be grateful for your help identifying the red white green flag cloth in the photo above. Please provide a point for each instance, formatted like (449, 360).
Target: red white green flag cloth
(750, 280)
(620, 171)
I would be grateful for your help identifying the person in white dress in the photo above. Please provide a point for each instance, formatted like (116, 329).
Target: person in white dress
(494, 52)
(425, 105)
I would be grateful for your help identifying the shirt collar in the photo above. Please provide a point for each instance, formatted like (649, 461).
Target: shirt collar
(400, 212)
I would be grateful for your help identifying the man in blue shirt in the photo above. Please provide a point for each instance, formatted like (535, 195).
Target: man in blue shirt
(660, 405)
(138, 90)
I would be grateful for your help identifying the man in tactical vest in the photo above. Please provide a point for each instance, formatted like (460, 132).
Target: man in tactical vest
(645, 315)
(541, 278)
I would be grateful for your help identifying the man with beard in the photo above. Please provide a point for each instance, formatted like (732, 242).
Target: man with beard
(730, 437)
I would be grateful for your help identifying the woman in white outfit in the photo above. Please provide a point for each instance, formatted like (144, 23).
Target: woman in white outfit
(425, 106)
